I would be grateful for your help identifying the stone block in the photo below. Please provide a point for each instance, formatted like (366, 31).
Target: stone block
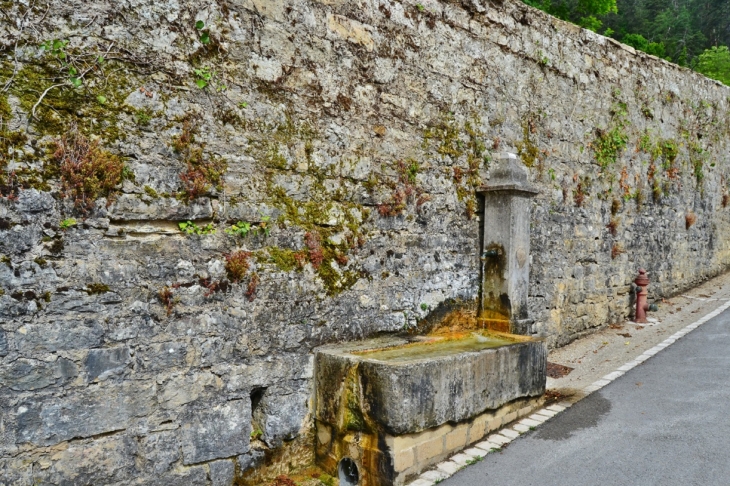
(105, 460)
(101, 363)
(524, 411)
(474, 452)
(529, 423)
(129, 207)
(486, 379)
(60, 335)
(29, 375)
(222, 473)
(218, 432)
(184, 388)
(34, 201)
(422, 482)
(281, 412)
(456, 439)
(410, 440)
(181, 476)
(499, 439)
(435, 475)
(404, 459)
(477, 430)
(461, 459)
(159, 451)
(488, 446)
(83, 414)
(494, 424)
(324, 434)
(510, 417)
(429, 449)
(449, 467)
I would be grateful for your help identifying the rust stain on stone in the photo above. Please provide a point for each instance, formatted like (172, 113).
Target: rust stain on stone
(495, 308)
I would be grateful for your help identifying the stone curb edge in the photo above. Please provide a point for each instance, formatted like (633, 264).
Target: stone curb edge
(495, 441)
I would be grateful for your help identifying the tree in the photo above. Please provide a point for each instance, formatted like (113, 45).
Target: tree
(582, 12)
(638, 41)
(715, 63)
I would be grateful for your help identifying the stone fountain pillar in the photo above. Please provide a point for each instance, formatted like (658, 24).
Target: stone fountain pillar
(505, 254)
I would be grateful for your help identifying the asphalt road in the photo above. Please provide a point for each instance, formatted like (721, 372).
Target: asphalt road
(665, 422)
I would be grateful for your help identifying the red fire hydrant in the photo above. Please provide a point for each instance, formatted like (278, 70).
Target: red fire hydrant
(641, 306)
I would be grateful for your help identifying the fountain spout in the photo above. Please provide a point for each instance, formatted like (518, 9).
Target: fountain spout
(506, 248)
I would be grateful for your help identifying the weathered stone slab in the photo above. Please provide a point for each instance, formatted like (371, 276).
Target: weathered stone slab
(103, 362)
(85, 414)
(34, 201)
(130, 207)
(411, 395)
(278, 414)
(216, 433)
(59, 335)
(28, 375)
(222, 473)
(159, 451)
(102, 461)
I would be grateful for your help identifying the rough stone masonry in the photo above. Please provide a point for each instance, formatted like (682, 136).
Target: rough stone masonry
(323, 157)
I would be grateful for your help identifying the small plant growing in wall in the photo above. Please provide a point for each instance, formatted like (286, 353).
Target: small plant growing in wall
(167, 298)
(237, 265)
(204, 34)
(190, 228)
(616, 250)
(579, 195)
(67, 223)
(615, 206)
(202, 173)
(690, 218)
(581, 190)
(611, 141)
(88, 172)
(97, 288)
(253, 284)
(404, 190)
(613, 225)
(243, 228)
(313, 241)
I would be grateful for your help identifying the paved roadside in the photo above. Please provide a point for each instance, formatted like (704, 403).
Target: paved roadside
(600, 353)
(663, 422)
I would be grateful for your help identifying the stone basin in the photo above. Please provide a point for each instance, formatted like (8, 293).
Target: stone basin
(384, 407)
(409, 385)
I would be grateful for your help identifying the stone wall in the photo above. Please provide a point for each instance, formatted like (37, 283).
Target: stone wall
(348, 138)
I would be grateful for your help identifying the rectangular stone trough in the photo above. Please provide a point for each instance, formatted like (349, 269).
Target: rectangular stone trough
(393, 406)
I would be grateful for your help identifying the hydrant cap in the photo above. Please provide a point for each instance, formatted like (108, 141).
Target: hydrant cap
(642, 280)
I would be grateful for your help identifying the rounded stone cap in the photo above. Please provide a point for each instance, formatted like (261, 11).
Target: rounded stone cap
(508, 170)
(508, 174)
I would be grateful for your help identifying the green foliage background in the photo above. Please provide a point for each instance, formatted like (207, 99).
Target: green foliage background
(692, 33)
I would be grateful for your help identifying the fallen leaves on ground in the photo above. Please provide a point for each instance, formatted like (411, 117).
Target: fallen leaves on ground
(555, 370)
(283, 481)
